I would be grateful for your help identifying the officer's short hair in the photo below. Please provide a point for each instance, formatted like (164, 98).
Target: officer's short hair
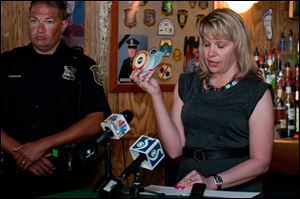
(61, 5)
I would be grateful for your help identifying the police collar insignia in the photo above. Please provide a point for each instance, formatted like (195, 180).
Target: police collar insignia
(69, 73)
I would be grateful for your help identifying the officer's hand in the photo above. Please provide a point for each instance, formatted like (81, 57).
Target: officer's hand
(42, 167)
(28, 153)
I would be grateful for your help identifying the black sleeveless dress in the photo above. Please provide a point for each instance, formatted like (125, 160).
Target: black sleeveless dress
(218, 120)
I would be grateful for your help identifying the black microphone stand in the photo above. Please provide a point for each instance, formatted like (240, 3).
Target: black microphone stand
(107, 164)
(137, 188)
(107, 160)
(137, 185)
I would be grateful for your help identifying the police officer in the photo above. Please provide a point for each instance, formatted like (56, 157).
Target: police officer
(50, 98)
(126, 67)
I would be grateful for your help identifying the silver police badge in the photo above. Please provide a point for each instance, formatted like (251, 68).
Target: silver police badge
(69, 73)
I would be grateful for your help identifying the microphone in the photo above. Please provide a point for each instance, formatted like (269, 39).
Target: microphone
(114, 127)
(147, 152)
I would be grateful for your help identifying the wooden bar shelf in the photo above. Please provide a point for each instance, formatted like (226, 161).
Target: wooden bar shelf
(285, 157)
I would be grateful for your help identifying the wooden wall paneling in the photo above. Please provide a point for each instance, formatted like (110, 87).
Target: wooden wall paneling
(280, 23)
(14, 15)
(92, 29)
(91, 46)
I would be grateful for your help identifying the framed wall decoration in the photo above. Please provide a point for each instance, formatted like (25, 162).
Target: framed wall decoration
(74, 33)
(136, 26)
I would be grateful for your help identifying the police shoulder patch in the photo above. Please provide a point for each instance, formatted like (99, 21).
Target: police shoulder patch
(96, 74)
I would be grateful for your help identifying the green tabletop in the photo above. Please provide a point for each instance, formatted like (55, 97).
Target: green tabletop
(82, 193)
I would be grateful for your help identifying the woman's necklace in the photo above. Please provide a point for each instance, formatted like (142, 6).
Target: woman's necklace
(230, 84)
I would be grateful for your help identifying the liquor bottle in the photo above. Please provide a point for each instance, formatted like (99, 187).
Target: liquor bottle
(287, 71)
(278, 56)
(280, 114)
(280, 79)
(279, 107)
(266, 67)
(290, 112)
(274, 57)
(282, 43)
(296, 86)
(291, 42)
(256, 56)
(261, 65)
(298, 45)
(270, 61)
(297, 111)
(269, 71)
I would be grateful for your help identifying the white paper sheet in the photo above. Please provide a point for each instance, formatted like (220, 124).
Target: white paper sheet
(207, 193)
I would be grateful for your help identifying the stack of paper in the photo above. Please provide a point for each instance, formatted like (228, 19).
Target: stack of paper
(208, 193)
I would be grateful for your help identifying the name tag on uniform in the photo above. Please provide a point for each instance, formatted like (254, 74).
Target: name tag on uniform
(14, 76)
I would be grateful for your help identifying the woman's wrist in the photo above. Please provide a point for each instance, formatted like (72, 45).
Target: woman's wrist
(210, 183)
(218, 181)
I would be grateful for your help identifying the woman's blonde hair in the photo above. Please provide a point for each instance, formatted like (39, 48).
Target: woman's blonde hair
(226, 24)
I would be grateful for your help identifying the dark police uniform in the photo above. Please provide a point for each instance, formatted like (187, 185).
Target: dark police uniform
(126, 68)
(45, 94)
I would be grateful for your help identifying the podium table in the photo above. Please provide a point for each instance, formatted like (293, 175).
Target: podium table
(82, 193)
(155, 192)
(88, 193)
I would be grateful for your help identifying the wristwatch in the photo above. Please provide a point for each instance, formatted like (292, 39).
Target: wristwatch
(218, 181)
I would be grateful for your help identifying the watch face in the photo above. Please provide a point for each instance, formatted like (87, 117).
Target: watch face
(218, 180)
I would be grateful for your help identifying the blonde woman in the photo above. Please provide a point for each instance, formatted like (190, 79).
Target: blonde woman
(221, 119)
